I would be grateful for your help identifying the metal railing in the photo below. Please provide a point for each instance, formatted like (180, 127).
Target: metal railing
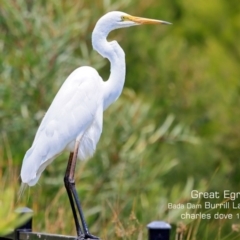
(157, 230)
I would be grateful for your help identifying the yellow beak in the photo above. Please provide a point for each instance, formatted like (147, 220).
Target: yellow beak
(141, 20)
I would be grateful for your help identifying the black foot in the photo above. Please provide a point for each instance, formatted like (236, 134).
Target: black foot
(90, 236)
(81, 237)
(87, 236)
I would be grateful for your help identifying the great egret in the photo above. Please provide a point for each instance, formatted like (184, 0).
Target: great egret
(74, 120)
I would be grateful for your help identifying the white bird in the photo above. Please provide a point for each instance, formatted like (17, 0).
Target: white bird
(74, 120)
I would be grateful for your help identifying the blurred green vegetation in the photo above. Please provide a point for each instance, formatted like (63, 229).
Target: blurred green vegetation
(10, 216)
(175, 128)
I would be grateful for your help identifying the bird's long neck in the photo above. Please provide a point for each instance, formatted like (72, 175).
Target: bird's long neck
(114, 53)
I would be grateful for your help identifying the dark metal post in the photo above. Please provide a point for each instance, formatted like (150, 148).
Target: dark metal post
(27, 226)
(158, 230)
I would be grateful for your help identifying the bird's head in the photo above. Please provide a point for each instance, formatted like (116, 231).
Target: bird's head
(114, 20)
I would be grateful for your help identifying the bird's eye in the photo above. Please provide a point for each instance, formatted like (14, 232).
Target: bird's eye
(123, 18)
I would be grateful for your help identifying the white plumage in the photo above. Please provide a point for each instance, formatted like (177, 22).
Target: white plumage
(76, 112)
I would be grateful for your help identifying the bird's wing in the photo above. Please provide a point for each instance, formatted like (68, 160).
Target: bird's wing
(70, 114)
(80, 85)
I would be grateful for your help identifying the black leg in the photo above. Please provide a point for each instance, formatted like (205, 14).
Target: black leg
(70, 197)
(73, 197)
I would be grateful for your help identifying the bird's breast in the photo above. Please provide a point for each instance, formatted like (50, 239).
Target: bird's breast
(90, 138)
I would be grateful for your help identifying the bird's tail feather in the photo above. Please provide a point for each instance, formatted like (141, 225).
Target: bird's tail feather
(22, 190)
